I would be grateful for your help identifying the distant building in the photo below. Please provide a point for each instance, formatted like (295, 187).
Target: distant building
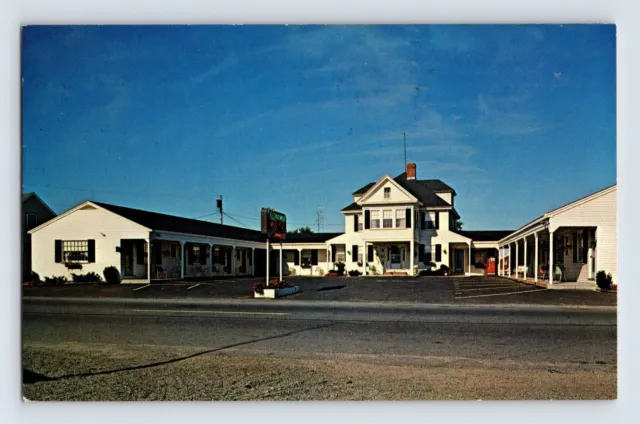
(34, 213)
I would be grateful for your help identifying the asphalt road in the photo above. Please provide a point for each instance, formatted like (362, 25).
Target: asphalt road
(535, 335)
(161, 349)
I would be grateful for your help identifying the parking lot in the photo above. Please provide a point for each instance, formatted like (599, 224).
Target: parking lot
(447, 290)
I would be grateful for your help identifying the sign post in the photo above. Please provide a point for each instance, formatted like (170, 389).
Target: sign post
(274, 227)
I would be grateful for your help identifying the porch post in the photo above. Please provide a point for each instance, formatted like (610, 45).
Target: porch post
(469, 264)
(525, 258)
(510, 261)
(280, 261)
(148, 241)
(364, 258)
(182, 260)
(535, 266)
(233, 261)
(411, 252)
(253, 261)
(517, 256)
(211, 260)
(300, 261)
(499, 264)
(551, 257)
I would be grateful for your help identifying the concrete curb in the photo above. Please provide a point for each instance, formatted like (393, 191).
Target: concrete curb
(285, 303)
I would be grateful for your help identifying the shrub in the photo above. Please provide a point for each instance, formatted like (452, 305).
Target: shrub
(603, 280)
(90, 277)
(55, 280)
(112, 275)
(340, 266)
(34, 278)
(73, 265)
(319, 271)
(354, 273)
(444, 269)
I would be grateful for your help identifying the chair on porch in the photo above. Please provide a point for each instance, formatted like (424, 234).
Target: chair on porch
(200, 271)
(161, 272)
(175, 272)
(558, 273)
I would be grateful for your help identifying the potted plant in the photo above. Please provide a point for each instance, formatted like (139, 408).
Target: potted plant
(340, 265)
(276, 288)
(444, 269)
(603, 280)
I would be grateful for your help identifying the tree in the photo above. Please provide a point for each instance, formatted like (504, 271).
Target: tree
(459, 225)
(301, 230)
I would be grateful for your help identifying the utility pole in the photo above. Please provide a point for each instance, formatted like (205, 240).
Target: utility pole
(319, 216)
(219, 204)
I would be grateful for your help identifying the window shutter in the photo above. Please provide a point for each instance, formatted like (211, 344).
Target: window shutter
(355, 223)
(370, 253)
(438, 252)
(314, 257)
(333, 253)
(91, 244)
(296, 257)
(367, 219)
(408, 217)
(421, 253)
(190, 255)
(58, 250)
(585, 245)
(473, 256)
(437, 226)
(422, 220)
(354, 253)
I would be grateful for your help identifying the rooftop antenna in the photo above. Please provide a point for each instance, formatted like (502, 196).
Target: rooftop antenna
(320, 217)
(404, 136)
(219, 207)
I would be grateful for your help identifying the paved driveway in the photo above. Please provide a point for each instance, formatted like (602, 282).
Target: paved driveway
(452, 290)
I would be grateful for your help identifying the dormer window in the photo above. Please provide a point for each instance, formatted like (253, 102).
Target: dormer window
(387, 192)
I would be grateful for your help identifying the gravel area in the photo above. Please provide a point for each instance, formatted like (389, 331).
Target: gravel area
(51, 373)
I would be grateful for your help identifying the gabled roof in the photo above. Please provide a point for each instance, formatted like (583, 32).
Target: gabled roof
(364, 189)
(27, 196)
(162, 222)
(310, 237)
(485, 235)
(424, 190)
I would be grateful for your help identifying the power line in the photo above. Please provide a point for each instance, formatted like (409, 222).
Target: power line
(229, 216)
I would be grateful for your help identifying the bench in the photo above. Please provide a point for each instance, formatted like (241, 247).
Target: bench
(521, 269)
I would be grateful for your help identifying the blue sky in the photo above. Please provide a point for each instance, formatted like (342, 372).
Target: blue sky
(518, 119)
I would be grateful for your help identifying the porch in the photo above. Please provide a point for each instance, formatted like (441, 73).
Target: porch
(564, 255)
(180, 259)
(390, 258)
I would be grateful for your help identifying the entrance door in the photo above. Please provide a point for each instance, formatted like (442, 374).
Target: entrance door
(127, 258)
(395, 257)
(458, 260)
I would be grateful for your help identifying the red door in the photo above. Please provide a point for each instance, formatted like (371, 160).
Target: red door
(490, 266)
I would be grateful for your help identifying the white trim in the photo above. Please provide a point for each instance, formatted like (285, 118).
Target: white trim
(377, 185)
(78, 207)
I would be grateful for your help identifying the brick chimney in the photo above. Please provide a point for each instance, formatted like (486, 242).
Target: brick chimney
(411, 171)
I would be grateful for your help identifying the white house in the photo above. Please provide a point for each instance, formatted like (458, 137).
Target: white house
(399, 225)
(571, 243)
(96, 235)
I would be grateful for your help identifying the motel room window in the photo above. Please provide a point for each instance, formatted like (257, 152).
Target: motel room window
(375, 219)
(31, 221)
(429, 218)
(340, 257)
(387, 219)
(173, 250)
(387, 192)
(75, 250)
(306, 258)
(401, 221)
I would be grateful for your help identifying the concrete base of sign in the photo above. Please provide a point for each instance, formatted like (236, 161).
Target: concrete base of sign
(273, 293)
